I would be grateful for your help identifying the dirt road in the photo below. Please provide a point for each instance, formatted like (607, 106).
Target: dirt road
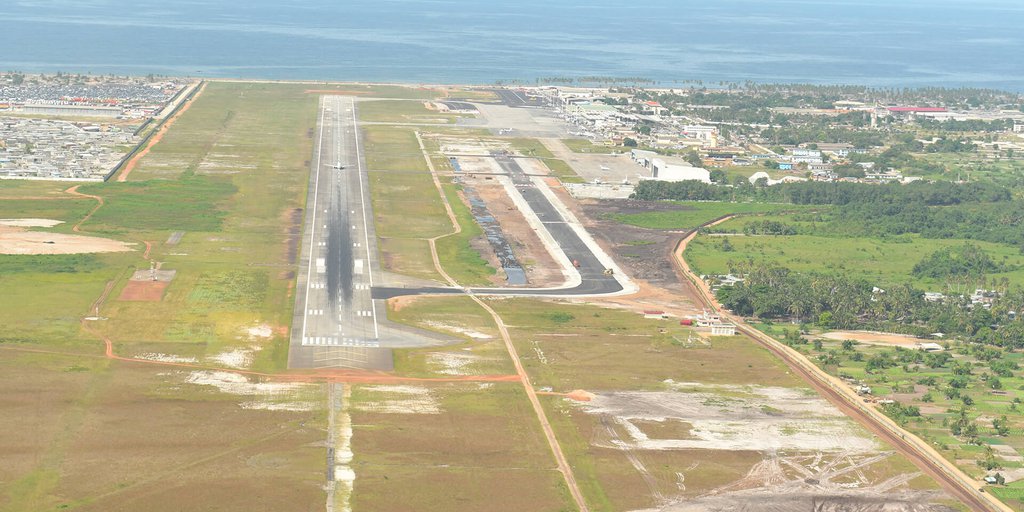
(158, 136)
(920, 453)
(531, 393)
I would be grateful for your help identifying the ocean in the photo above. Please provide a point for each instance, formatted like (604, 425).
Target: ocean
(893, 43)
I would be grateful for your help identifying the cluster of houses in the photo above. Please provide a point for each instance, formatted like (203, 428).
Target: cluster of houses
(980, 297)
(75, 128)
(61, 150)
(95, 97)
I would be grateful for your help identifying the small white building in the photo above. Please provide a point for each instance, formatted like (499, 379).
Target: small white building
(662, 171)
(723, 329)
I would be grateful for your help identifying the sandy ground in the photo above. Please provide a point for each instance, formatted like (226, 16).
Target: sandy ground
(733, 418)
(30, 223)
(18, 240)
(400, 400)
(541, 268)
(874, 338)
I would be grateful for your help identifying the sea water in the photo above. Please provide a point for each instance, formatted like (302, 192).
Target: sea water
(977, 43)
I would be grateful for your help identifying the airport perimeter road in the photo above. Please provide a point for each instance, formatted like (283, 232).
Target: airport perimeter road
(336, 320)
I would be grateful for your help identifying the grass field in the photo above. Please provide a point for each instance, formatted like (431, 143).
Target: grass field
(589, 343)
(390, 148)
(585, 146)
(240, 219)
(908, 383)
(378, 91)
(114, 436)
(692, 214)
(458, 258)
(481, 350)
(562, 171)
(483, 451)
(884, 262)
(401, 111)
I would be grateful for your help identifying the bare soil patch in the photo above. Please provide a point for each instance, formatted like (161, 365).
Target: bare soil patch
(147, 285)
(144, 291)
(645, 254)
(541, 268)
(874, 338)
(17, 240)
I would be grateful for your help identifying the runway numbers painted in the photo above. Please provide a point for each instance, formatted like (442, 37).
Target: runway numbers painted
(316, 312)
(362, 287)
(357, 244)
(364, 313)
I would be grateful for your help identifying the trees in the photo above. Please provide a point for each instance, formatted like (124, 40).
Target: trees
(694, 159)
(630, 142)
(968, 260)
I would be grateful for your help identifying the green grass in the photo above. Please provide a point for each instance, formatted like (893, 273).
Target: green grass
(529, 147)
(692, 214)
(69, 211)
(592, 356)
(563, 171)
(454, 317)
(458, 258)
(407, 205)
(157, 205)
(401, 111)
(380, 91)
(408, 256)
(884, 262)
(585, 146)
(390, 148)
(229, 290)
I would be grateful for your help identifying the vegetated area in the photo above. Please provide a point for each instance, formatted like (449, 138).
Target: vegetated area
(683, 215)
(451, 447)
(643, 392)
(85, 433)
(964, 399)
(940, 262)
(402, 111)
(219, 202)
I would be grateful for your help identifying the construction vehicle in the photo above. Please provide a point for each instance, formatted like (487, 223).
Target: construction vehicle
(608, 272)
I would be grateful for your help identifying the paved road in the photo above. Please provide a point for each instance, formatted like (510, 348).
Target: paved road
(336, 320)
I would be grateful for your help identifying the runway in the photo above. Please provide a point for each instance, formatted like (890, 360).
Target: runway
(336, 322)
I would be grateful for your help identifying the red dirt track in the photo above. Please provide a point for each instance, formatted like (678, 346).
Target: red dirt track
(157, 137)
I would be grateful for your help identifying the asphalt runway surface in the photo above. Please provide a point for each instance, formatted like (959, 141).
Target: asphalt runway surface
(336, 319)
